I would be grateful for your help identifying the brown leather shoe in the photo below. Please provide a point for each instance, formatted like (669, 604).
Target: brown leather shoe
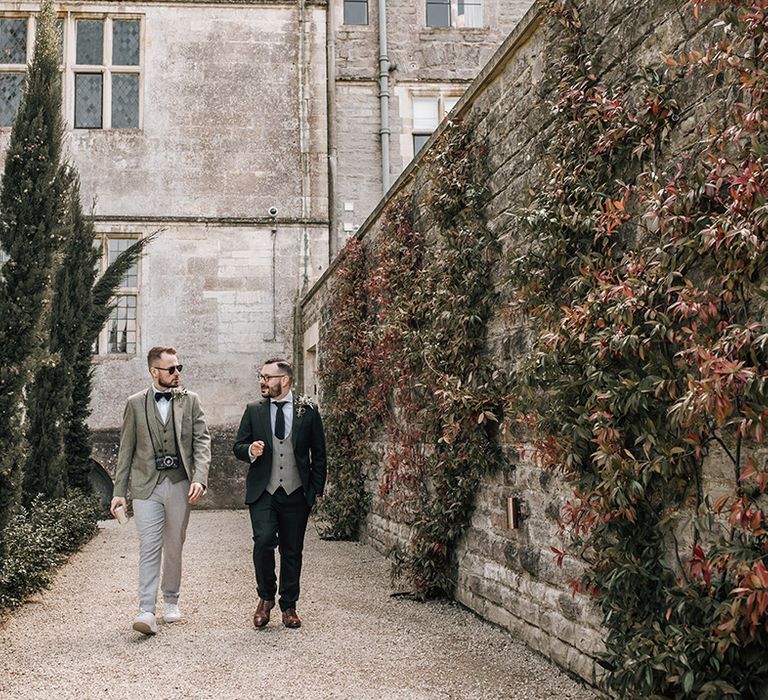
(290, 618)
(261, 616)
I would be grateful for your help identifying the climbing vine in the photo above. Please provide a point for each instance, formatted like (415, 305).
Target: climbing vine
(639, 271)
(434, 296)
(419, 329)
(644, 283)
(344, 375)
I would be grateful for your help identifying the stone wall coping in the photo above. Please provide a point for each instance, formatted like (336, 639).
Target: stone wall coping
(138, 3)
(519, 36)
(210, 220)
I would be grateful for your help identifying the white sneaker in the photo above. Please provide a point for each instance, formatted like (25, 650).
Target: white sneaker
(145, 623)
(172, 613)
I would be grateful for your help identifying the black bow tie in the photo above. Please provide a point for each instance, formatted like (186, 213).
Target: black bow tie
(163, 395)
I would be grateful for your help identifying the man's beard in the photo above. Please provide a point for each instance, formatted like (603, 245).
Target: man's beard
(170, 384)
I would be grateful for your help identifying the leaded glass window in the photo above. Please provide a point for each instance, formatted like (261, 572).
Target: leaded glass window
(11, 88)
(13, 40)
(121, 327)
(13, 55)
(111, 97)
(89, 42)
(117, 246)
(125, 101)
(120, 334)
(125, 42)
(88, 100)
(355, 11)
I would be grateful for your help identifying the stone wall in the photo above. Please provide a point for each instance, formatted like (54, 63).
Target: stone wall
(226, 477)
(509, 575)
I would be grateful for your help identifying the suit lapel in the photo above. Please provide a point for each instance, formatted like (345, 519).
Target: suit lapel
(266, 420)
(149, 405)
(177, 411)
(296, 424)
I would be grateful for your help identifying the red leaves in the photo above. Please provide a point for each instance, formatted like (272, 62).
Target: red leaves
(613, 213)
(559, 556)
(748, 612)
(699, 566)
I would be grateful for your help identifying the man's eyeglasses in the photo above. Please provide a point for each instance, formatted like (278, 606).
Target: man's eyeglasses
(172, 369)
(267, 377)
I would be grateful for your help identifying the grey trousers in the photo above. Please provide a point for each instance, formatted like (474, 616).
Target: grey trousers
(161, 521)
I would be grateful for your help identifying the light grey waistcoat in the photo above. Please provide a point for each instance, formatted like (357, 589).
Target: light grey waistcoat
(284, 470)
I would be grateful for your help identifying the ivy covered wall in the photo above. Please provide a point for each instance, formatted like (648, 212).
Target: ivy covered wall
(563, 301)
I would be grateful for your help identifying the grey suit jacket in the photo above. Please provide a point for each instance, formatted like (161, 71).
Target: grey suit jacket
(136, 458)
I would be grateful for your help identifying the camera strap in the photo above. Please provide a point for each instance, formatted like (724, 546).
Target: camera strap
(149, 429)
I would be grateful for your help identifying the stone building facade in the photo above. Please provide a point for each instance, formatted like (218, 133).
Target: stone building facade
(247, 135)
(433, 53)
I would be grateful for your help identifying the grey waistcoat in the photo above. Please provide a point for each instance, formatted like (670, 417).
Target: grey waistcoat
(284, 470)
(162, 435)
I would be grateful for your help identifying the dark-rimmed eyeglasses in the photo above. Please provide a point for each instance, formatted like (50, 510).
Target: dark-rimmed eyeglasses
(172, 369)
(267, 377)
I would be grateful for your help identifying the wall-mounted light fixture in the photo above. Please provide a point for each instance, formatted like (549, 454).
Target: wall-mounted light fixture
(513, 512)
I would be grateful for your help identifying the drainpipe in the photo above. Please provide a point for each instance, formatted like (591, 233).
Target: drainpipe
(273, 233)
(384, 95)
(330, 32)
(304, 135)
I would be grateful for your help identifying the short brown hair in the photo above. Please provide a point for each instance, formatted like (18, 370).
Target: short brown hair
(283, 364)
(154, 354)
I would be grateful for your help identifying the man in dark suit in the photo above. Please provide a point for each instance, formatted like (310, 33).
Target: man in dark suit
(281, 437)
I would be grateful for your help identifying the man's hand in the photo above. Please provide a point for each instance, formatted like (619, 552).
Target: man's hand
(256, 449)
(116, 501)
(196, 491)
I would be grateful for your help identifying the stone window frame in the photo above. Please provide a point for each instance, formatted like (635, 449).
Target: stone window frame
(446, 99)
(107, 69)
(130, 292)
(456, 19)
(67, 22)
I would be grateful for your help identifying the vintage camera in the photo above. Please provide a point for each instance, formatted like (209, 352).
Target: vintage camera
(166, 462)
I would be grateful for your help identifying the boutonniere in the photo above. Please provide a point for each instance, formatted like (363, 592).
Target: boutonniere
(178, 392)
(302, 403)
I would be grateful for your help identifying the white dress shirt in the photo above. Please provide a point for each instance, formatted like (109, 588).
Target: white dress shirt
(287, 412)
(163, 405)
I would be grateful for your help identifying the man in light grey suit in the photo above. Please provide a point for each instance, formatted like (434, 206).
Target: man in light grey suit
(165, 452)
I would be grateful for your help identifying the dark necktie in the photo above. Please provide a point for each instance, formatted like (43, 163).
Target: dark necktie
(163, 395)
(280, 420)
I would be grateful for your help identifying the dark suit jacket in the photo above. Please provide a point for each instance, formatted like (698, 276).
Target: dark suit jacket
(308, 447)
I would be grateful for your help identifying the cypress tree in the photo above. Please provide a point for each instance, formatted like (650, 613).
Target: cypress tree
(31, 215)
(50, 396)
(77, 439)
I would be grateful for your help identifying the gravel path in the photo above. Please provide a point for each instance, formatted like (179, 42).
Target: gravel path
(76, 641)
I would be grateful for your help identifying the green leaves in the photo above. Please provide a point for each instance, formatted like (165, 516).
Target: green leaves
(648, 351)
(407, 329)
